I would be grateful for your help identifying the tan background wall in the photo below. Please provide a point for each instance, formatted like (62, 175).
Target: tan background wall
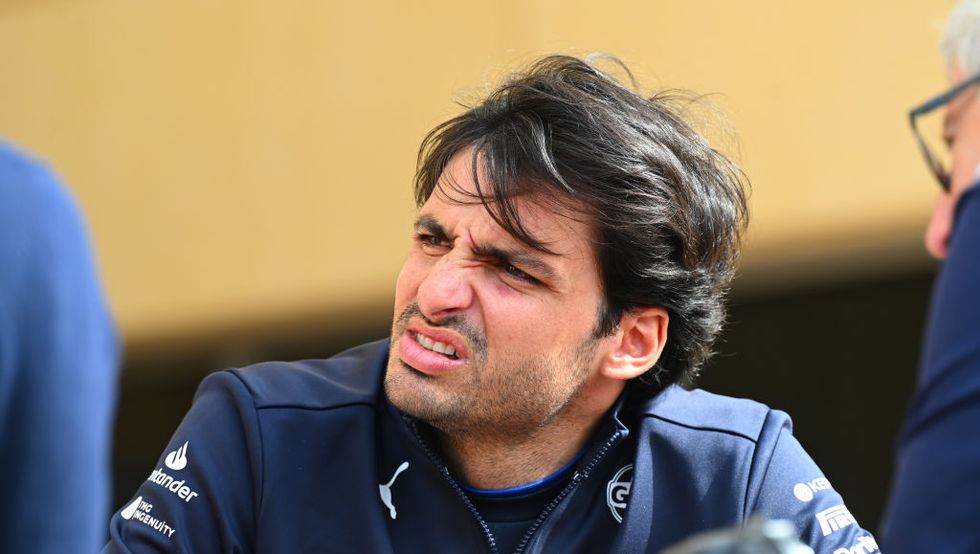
(244, 161)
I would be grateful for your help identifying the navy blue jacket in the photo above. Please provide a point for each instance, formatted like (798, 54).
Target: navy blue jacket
(935, 502)
(310, 457)
(58, 355)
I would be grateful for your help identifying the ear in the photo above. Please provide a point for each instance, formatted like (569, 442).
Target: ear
(639, 341)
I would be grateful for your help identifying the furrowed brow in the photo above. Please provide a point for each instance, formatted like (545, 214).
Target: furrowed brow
(531, 263)
(519, 258)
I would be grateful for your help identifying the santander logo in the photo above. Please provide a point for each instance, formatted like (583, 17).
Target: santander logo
(177, 460)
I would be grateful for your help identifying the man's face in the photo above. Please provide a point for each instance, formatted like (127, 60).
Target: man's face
(518, 323)
(961, 132)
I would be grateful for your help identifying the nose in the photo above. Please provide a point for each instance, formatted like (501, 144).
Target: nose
(446, 290)
(940, 226)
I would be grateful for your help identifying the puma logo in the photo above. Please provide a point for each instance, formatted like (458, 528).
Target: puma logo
(385, 491)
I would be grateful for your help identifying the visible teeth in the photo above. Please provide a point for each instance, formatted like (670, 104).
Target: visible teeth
(444, 348)
(435, 346)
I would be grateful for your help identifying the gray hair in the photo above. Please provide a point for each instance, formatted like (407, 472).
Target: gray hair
(961, 38)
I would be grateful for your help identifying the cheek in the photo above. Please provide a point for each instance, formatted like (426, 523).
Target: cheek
(520, 323)
(503, 292)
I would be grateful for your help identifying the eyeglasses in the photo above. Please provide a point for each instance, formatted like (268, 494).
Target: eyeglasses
(942, 175)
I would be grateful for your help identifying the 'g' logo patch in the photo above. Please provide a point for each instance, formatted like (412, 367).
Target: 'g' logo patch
(618, 491)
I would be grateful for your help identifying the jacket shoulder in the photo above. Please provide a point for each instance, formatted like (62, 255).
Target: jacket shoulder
(351, 377)
(704, 411)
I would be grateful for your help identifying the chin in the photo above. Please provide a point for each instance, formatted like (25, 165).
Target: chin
(405, 389)
(414, 395)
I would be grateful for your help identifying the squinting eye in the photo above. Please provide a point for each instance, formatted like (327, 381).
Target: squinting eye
(515, 272)
(429, 240)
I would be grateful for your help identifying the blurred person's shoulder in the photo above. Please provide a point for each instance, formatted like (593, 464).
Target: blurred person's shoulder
(26, 180)
(38, 214)
(14, 161)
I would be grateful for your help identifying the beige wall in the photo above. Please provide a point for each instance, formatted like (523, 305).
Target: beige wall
(243, 160)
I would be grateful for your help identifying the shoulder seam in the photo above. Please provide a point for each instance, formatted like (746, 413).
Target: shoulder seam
(260, 486)
(703, 428)
(753, 478)
(314, 408)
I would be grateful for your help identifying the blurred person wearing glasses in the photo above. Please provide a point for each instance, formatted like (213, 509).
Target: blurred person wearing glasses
(936, 488)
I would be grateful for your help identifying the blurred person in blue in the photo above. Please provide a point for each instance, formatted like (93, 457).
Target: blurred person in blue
(572, 247)
(936, 488)
(58, 366)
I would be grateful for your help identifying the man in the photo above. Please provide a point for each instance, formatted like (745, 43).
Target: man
(58, 357)
(933, 505)
(570, 254)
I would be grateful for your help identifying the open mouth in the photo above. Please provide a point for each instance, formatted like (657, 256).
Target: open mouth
(446, 350)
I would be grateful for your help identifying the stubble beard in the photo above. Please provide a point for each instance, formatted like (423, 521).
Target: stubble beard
(505, 402)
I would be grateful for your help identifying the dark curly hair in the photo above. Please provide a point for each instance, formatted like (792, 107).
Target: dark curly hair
(667, 209)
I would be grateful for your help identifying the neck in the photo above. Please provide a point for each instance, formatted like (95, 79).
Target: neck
(500, 460)
(499, 465)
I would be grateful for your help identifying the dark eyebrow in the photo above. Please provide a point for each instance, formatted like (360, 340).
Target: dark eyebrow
(432, 225)
(517, 257)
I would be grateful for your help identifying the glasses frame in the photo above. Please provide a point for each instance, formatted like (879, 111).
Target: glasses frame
(929, 106)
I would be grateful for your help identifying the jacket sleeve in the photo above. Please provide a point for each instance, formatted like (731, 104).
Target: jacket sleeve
(792, 487)
(933, 504)
(202, 494)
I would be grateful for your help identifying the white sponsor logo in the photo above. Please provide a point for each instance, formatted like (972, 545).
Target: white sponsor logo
(140, 511)
(128, 511)
(804, 491)
(385, 491)
(618, 491)
(177, 487)
(864, 545)
(177, 460)
(834, 519)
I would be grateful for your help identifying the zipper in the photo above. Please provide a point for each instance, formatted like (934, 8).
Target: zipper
(487, 534)
(577, 477)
